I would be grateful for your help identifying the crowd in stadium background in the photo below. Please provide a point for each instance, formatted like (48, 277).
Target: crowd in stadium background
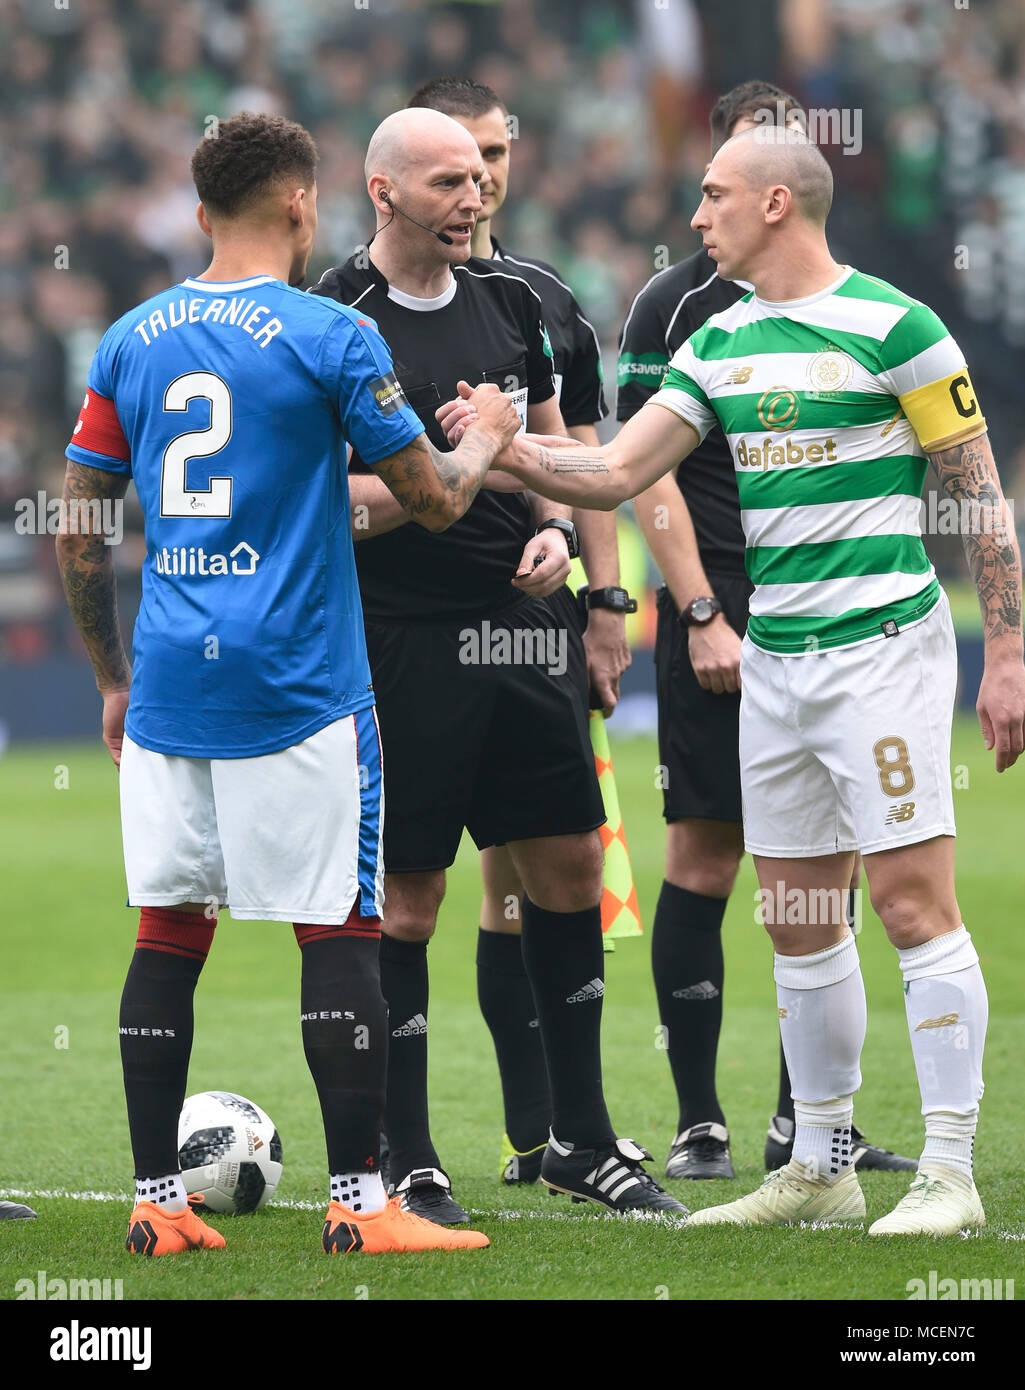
(103, 102)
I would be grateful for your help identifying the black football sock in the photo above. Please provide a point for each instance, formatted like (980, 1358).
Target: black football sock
(686, 960)
(155, 1029)
(785, 1103)
(404, 983)
(507, 1004)
(565, 964)
(345, 1038)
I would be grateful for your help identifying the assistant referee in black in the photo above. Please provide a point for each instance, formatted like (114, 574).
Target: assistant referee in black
(476, 733)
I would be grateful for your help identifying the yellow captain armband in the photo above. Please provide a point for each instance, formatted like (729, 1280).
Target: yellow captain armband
(944, 413)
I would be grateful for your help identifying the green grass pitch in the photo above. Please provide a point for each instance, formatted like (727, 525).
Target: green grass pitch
(66, 945)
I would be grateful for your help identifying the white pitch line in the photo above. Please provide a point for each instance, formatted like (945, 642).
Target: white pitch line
(656, 1218)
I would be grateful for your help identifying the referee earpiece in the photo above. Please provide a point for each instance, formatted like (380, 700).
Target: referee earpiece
(383, 195)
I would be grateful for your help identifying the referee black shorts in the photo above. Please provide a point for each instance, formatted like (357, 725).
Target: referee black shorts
(698, 731)
(483, 726)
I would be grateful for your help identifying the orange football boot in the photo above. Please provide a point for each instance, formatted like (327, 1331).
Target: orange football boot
(153, 1230)
(391, 1229)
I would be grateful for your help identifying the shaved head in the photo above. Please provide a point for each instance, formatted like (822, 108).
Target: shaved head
(414, 136)
(770, 155)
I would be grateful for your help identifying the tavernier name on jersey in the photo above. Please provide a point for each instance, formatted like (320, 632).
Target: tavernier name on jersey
(829, 405)
(238, 311)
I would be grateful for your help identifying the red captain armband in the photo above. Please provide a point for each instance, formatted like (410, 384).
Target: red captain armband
(99, 430)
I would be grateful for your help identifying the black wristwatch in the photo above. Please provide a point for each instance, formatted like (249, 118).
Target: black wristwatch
(699, 612)
(611, 597)
(563, 524)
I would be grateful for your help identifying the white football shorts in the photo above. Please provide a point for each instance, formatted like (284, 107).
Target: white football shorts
(849, 749)
(291, 836)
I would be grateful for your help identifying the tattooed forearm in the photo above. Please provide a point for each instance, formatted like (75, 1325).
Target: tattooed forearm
(436, 489)
(87, 571)
(969, 474)
(579, 461)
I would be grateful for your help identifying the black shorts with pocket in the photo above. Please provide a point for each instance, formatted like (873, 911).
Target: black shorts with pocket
(483, 726)
(698, 731)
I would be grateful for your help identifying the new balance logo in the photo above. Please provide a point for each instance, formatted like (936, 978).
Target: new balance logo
(593, 990)
(944, 1021)
(905, 811)
(740, 375)
(417, 1024)
(705, 990)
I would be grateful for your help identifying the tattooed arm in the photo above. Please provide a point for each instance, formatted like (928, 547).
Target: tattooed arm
(436, 489)
(649, 444)
(968, 473)
(87, 571)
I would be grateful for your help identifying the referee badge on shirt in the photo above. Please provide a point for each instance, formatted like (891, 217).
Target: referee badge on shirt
(388, 393)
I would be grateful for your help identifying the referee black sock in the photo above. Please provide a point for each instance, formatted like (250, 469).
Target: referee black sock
(564, 960)
(155, 1027)
(404, 983)
(507, 1004)
(785, 1103)
(345, 1038)
(686, 960)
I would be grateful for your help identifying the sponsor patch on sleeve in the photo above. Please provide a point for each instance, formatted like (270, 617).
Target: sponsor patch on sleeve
(388, 394)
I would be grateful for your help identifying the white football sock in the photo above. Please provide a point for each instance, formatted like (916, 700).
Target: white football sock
(168, 1192)
(360, 1192)
(821, 1001)
(948, 1010)
(822, 1135)
(949, 1142)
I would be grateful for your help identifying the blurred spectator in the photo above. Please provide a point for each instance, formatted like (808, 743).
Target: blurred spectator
(104, 101)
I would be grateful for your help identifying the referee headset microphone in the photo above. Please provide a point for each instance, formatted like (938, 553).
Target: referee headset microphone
(442, 237)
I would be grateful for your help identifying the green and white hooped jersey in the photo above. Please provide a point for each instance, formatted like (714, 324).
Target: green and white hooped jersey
(830, 405)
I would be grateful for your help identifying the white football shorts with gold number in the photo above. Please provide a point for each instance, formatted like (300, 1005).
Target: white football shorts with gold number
(849, 748)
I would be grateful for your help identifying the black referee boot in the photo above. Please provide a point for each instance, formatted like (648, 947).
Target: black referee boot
(427, 1192)
(609, 1174)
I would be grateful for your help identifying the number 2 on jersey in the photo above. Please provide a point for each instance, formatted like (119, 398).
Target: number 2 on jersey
(176, 497)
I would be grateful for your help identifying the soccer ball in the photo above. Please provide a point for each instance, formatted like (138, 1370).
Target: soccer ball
(229, 1152)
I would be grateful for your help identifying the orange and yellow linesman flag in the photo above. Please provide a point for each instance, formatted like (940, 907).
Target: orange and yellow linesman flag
(620, 915)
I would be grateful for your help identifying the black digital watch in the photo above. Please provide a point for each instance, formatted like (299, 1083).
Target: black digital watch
(563, 524)
(614, 598)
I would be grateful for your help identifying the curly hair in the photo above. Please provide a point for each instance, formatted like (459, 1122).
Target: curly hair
(244, 157)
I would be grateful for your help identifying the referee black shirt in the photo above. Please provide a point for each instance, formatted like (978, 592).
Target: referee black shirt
(577, 356)
(487, 326)
(674, 304)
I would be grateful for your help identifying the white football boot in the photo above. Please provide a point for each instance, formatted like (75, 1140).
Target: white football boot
(940, 1202)
(789, 1196)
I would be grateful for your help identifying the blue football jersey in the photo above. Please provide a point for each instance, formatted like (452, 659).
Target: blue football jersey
(235, 403)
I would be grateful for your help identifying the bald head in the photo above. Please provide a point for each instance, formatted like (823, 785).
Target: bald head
(769, 155)
(412, 137)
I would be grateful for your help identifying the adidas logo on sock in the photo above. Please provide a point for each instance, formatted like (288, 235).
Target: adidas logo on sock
(594, 989)
(705, 990)
(417, 1024)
